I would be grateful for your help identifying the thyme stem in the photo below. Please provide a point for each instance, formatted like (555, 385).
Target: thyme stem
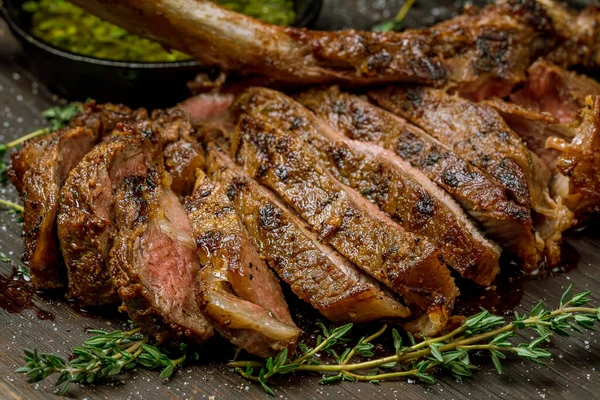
(23, 139)
(10, 204)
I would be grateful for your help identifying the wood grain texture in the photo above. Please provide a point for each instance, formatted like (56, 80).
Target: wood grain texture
(50, 323)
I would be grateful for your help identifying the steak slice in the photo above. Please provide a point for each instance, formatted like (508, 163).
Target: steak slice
(478, 133)
(101, 119)
(482, 197)
(534, 127)
(86, 216)
(407, 263)
(26, 156)
(315, 271)
(552, 89)
(57, 154)
(483, 52)
(579, 164)
(154, 261)
(398, 189)
(172, 131)
(236, 290)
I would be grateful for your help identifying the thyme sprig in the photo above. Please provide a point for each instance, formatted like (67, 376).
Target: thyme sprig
(450, 353)
(104, 355)
(397, 23)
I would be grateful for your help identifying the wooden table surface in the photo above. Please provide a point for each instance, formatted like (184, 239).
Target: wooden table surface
(29, 319)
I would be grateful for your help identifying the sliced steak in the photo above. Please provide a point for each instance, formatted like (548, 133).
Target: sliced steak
(534, 127)
(478, 133)
(86, 216)
(579, 164)
(552, 89)
(41, 187)
(398, 189)
(315, 271)
(26, 156)
(482, 197)
(154, 261)
(101, 119)
(182, 159)
(236, 290)
(172, 131)
(343, 218)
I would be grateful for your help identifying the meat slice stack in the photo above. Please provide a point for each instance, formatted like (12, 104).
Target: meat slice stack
(238, 293)
(365, 206)
(398, 189)
(483, 198)
(357, 210)
(407, 263)
(478, 133)
(316, 272)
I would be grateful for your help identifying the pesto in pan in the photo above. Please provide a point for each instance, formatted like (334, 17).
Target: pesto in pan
(69, 27)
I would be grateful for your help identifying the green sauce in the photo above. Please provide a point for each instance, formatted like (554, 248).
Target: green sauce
(279, 12)
(68, 27)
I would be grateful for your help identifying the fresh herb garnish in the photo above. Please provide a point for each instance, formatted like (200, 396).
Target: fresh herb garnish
(59, 116)
(24, 273)
(4, 257)
(398, 22)
(104, 355)
(108, 354)
(449, 353)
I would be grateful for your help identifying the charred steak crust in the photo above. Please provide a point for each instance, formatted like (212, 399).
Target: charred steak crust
(172, 131)
(316, 272)
(86, 220)
(153, 260)
(479, 134)
(401, 191)
(236, 290)
(100, 119)
(482, 197)
(408, 264)
(42, 183)
(473, 131)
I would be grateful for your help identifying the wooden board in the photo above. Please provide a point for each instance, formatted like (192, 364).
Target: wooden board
(51, 324)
